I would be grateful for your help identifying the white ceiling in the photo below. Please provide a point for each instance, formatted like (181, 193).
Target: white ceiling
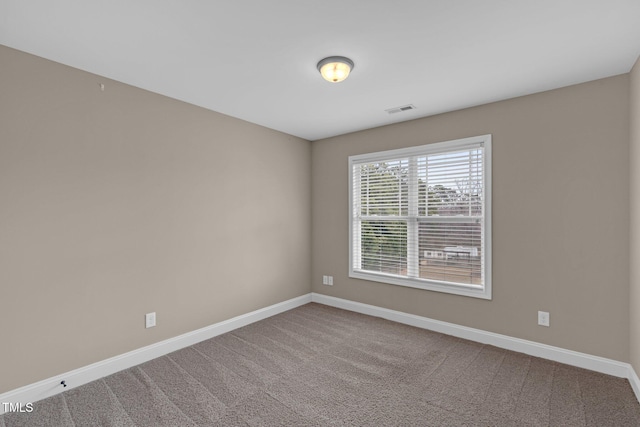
(256, 59)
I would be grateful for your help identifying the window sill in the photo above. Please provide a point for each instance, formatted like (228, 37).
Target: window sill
(429, 285)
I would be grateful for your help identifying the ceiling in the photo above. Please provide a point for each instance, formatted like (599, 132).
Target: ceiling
(256, 59)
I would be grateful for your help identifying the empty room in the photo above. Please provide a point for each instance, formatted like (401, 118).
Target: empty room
(418, 213)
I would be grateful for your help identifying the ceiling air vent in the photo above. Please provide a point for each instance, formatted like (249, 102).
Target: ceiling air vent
(401, 109)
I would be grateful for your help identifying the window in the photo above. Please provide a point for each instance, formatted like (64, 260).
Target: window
(421, 217)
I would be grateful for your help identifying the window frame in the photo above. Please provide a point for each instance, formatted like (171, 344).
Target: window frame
(483, 292)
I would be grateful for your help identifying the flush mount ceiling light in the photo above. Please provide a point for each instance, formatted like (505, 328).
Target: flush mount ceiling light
(335, 69)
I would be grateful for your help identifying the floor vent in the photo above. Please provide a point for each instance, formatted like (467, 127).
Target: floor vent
(401, 109)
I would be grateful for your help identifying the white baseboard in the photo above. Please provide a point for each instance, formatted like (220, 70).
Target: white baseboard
(635, 382)
(557, 354)
(86, 374)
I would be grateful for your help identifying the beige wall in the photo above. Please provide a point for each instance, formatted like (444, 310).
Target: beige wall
(118, 203)
(560, 217)
(634, 253)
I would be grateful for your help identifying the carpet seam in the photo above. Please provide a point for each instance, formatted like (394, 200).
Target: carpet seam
(272, 340)
(110, 390)
(66, 407)
(553, 378)
(185, 372)
(493, 379)
(205, 387)
(244, 341)
(166, 396)
(209, 358)
(515, 407)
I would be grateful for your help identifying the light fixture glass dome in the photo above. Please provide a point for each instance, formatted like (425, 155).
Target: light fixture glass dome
(335, 68)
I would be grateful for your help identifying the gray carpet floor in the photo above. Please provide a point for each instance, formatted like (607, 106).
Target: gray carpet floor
(321, 366)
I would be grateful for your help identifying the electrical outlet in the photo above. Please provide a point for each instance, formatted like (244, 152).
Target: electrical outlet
(150, 320)
(543, 318)
(327, 280)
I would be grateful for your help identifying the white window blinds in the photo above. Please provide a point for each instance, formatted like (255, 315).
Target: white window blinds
(420, 216)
